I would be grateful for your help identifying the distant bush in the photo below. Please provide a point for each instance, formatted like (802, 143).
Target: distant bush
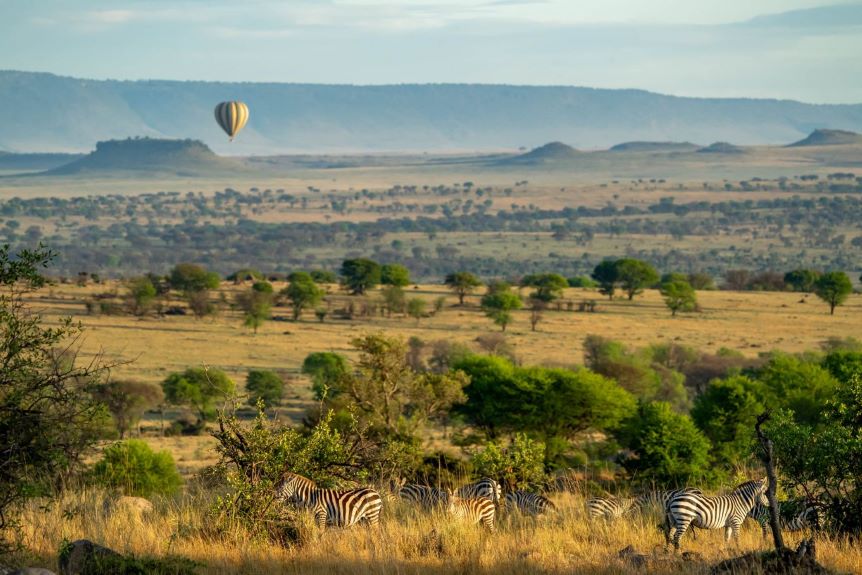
(133, 467)
(325, 369)
(582, 282)
(519, 465)
(265, 386)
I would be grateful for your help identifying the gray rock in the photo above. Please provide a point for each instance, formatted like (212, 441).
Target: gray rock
(78, 554)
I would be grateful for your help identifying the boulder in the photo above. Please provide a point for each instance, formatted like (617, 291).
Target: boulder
(76, 556)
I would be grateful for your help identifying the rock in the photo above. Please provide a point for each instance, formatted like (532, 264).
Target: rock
(75, 556)
(130, 505)
(32, 571)
(631, 555)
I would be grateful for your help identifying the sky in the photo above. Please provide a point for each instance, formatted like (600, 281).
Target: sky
(808, 50)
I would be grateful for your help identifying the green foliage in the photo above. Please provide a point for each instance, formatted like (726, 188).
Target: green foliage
(844, 365)
(417, 308)
(802, 280)
(518, 465)
(142, 294)
(833, 288)
(245, 274)
(726, 413)
(302, 292)
(326, 368)
(134, 468)
(127, 401)
(393, 297)
(263, 287)
(360, 275)
(323, 276)
(679, 296)
(264, 386)
(192, 278)
(256, 304)
(606, 274)
(701, 281)
(635, 275)
(394, 275)
(548, 286)
(199, 389)
(668, 449)
(551, 403)
(582, 282)
(498, 306)
(462, 284)
(803, 387)
(48, 417)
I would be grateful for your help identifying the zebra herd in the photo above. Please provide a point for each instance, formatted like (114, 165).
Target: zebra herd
(478, 502)
(475, 502)
(689, 507)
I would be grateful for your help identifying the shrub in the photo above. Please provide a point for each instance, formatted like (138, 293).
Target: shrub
(520, 465)
(134, 468)
(726, 413)
(265, 386)
(199, 389)
(325, 369)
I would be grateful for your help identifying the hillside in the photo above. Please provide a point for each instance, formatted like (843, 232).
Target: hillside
(550, 153)
(829, 138)
(26, 162)
(654, 147)
(54, 113)
(721, 148)
(153, 156)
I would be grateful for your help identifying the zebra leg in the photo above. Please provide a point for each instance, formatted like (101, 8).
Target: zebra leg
(320, 518)
(680, 530)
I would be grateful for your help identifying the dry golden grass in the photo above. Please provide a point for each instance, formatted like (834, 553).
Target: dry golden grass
(561, 543)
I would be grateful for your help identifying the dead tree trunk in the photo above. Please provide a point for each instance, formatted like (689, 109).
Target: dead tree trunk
(769, 463)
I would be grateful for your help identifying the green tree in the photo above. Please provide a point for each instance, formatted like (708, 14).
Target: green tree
(792, 383)
(136, 469)
(802, 280)
(498, 306)
(417, 308)
(607, 276)
(394, 275)
(264, 386)
(256, 304)
(667, 447)
(199, 389)
(462, 284)
(192, 278)
(519, 465)
(360, 275)
(323, 276)
(47, 413)
(548, 286)
(635, 275)
(679, 296)
(142, 294)
(726, 413)
(303, 293)
(127, 401)
(326, 368)
(833, 288)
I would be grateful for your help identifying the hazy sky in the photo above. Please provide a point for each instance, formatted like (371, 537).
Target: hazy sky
(799, 49)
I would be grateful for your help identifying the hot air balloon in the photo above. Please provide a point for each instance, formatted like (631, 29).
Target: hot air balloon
(231, 116)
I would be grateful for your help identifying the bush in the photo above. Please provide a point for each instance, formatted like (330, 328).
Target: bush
(726, 413)
(265, 386)
(582, 282)
(668, 449)
(199, 389)
(134, 468)
(325, 369)
(519, 465)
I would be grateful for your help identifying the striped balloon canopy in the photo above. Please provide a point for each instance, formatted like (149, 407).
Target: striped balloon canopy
(231, 116)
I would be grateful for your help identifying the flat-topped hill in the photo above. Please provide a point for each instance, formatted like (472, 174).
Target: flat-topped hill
(824, 137)
(655, 147)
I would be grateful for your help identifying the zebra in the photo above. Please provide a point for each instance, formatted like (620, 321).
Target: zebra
(423, 495)
(609, 507)
(341, 508)
(728, 511)
(793, 515)
(528, 502)
(660, 500)
(473, 509)
(485, 487)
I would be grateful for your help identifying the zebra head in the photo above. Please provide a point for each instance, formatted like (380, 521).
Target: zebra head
(287, 489)
(753, 492)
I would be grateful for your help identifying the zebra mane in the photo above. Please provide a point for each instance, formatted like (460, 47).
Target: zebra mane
(748, 484)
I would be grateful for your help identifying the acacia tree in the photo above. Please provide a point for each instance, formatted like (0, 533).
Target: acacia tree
(142, 294)
(607, 276)
(635, 275)
(498, 306)
(833, 288)
(128, 400)
(679, 296)
(463, 284)
(549, 287)
(302, 292)
(47, 413)
(394, 275)
(198, 388)
(256, 304)
(360, 275)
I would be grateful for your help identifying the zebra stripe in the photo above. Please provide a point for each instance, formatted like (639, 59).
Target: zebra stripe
(793, 515)
(423, 495)
(728, 511)
(609, 507)
(473, 509)
(529, 503)
(486, 488)
(341, 508)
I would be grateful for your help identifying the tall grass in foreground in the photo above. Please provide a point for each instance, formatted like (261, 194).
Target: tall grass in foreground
(404, 543)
